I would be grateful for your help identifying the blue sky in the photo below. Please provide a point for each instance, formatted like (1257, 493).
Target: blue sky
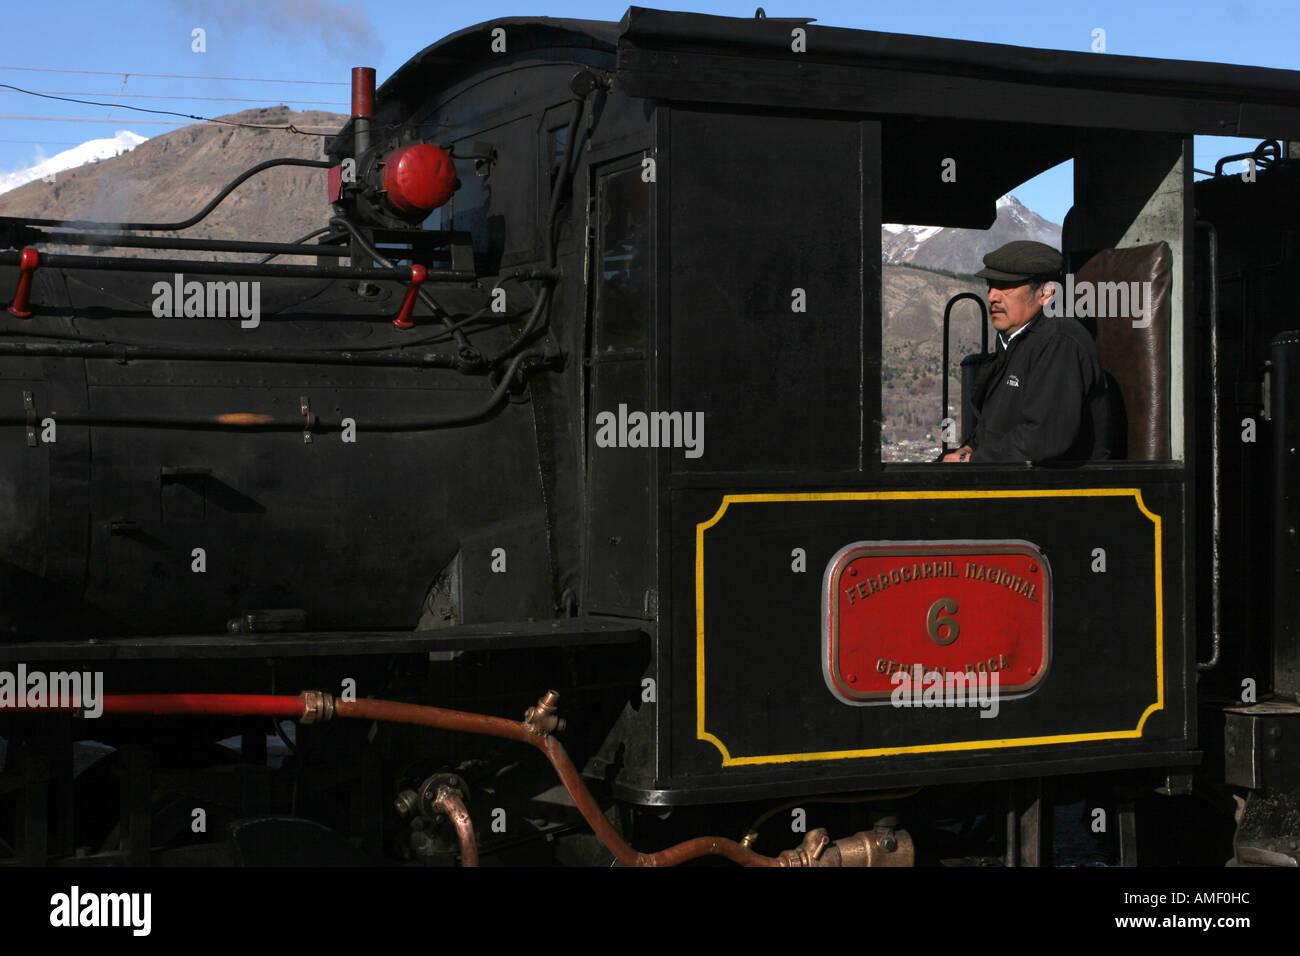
(319, 40)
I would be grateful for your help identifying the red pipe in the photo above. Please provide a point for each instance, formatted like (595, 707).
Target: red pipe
(232, 705)
(240, 705)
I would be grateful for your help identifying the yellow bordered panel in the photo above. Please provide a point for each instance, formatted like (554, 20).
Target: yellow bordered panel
(728, 760)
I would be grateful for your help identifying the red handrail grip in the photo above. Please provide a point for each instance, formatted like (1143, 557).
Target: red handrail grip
(27, 263)
(403, 320)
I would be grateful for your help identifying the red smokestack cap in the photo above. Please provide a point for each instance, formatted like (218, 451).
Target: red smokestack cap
(363, 91)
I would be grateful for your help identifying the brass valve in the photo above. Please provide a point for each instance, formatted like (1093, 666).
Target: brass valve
(542, 719)
(882, 846)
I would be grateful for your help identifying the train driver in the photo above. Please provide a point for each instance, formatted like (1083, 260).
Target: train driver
(1042, 395)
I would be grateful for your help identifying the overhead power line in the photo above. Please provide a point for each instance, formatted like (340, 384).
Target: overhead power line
(175, 76)
(215, 99)
(144, 109)
(123, 121)
(120, 121)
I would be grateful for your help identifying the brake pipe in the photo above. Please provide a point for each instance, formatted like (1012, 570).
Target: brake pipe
(226, 705)
(238, 705)
(535, 730)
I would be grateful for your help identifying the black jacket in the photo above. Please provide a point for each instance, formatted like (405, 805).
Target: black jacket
(1042, 399)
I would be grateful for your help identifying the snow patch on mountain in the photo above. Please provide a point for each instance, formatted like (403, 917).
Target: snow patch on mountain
(907, 240)
(961, 250)
(88, 152)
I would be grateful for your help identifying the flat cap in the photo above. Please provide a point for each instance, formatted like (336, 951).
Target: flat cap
(1021, 261)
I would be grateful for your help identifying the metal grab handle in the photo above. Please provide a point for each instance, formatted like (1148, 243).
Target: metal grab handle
(984, 343)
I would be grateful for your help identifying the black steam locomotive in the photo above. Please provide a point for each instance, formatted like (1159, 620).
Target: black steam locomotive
(580, 390)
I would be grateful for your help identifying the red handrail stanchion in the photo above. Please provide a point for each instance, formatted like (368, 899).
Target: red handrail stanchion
(27, 263)
(403, 320)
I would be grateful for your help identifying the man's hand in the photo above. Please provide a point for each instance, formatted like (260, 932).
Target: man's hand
(961, 454)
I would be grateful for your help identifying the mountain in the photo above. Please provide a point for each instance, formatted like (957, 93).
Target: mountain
(172, 176)
(962, 250)
(914, 299)
(90, 151)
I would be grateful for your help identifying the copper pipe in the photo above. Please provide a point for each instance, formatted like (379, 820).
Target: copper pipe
(584, 801)
(441, 719)
(613, 840)
(450, 803)
(706, 846)
(751, 835)
(394, 712)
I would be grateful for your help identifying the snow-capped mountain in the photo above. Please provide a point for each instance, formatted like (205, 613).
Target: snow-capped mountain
(962, 250)
(87, 152)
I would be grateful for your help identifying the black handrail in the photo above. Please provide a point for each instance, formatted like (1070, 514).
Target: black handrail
(984, 343)
(201, 267)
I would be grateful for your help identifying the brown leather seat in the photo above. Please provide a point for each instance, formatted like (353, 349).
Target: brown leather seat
(1136, 359)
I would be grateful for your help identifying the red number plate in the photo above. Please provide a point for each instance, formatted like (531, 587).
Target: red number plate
(946, 606)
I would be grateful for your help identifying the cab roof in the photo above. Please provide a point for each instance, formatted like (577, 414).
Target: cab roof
(676, 56)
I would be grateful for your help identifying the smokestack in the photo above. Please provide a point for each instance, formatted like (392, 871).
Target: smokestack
(363, 106)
